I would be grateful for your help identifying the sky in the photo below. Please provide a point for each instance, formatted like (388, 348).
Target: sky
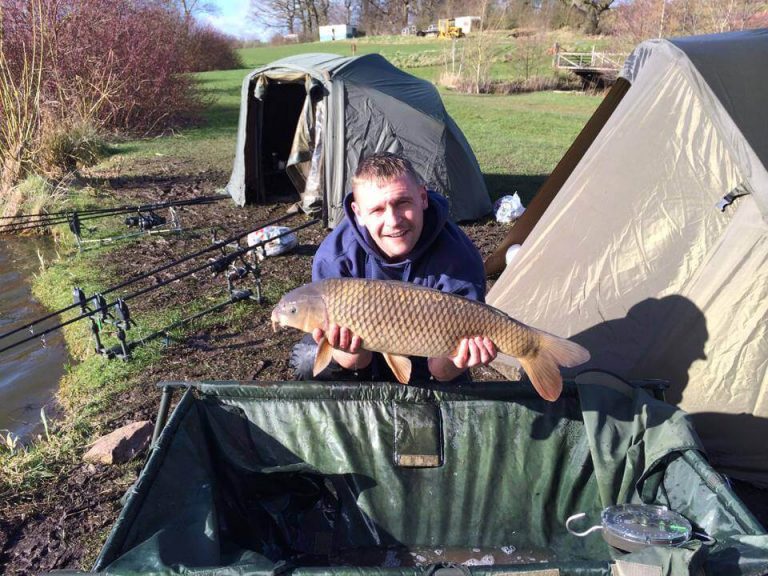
(231, 17)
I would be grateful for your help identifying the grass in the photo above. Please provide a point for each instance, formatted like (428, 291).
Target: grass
(85, 389)
(391, 47)
(519, 139)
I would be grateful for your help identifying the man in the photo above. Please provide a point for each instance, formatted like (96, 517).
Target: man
(396, 229)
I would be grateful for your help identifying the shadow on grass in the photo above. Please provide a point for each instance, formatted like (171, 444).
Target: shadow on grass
(525, 185)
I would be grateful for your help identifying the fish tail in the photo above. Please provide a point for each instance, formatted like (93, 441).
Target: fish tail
(543, 365)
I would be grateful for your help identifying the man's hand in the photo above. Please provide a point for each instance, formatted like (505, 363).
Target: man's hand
(348, 351)
(339, 337)
(475, 351)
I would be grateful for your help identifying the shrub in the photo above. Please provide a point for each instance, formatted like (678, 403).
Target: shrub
(67, 146)
(72, 68)
(119, 65)
(209, 49)
(22, 57)
(517, 86)
(35, 195)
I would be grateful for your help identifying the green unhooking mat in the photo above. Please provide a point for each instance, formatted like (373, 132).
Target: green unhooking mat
(384, 479)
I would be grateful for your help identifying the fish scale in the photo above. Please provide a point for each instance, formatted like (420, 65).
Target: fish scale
(413, 320)
(402, 320)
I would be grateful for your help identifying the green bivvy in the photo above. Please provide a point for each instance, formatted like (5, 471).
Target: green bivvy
(386, 480)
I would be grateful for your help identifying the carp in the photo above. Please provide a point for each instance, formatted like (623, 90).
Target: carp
(399, 319)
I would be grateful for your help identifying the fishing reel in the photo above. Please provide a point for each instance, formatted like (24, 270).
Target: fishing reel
(145, 221)
(237, 266)
(100, 315)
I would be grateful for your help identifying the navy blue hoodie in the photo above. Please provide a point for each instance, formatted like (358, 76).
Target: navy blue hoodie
(443, 258)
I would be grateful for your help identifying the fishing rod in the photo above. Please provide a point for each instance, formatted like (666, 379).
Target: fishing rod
(125, 348)
(214, 246)
(226, 262)
(123, 321)
(70, 215)
(148, 224)
(128, 207)
(63, 217)
(218, 263)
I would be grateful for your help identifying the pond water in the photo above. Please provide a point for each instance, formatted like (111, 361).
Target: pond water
(30, 372)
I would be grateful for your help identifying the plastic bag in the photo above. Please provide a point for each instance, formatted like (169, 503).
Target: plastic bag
(277, 246)
(508, 208)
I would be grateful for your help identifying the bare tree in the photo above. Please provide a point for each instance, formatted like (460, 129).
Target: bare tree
(424, 12)
(726, 15)
(188, 9)
(348, 10)
(376, 17)
(343, 11)
(592, 10)
(642, 19)
(280, 14)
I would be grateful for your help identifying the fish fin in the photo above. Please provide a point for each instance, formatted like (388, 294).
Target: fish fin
(543, 367)
(323, 357)
(565, 353)
(400, 365)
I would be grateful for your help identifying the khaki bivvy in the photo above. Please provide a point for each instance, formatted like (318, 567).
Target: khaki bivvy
(649, 244)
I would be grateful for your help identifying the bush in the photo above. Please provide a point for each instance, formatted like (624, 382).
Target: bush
(209, 49)
(517, 86)
(67, 146)
(72, 68)
(120, 65)
(33, 195)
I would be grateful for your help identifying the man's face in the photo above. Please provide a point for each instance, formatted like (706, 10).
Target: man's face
(393, 214)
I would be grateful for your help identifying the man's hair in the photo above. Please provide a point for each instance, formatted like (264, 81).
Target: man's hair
(384, 167)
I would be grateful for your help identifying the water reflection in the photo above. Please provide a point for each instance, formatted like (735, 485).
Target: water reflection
(30, 372)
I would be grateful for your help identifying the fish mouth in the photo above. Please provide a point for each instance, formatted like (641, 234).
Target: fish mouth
(275, 318)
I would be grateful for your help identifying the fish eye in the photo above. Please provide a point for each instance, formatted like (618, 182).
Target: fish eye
(292, 310)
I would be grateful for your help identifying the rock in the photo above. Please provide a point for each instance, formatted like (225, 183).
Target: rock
(121, 445)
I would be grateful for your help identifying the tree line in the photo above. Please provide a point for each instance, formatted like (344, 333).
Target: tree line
(638, 19)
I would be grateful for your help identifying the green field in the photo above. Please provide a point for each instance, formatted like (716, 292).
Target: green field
(517, 139)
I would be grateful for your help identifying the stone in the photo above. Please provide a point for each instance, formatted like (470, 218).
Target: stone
(122, 445)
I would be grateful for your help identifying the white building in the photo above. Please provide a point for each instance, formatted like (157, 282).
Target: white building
(468, 23)
(336, 32)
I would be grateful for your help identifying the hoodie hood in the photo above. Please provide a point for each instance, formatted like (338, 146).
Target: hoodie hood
(435, 217)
